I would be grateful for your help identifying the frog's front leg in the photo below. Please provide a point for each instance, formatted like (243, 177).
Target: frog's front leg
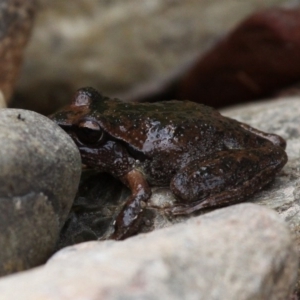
(129, 218)
(225, 177)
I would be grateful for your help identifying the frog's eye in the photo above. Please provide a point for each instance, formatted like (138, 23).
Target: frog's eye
(89, 132)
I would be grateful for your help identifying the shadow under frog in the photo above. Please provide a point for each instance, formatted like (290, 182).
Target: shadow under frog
(206, 159)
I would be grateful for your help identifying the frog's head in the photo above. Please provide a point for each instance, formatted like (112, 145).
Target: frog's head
(78, 118)
(82, 104)
(84, 120)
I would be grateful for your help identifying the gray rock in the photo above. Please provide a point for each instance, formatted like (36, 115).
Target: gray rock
(120, 46)
(40, 169)
(240, 252)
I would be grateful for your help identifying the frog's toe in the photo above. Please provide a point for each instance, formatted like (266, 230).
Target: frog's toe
(117, 236)
(177, 210)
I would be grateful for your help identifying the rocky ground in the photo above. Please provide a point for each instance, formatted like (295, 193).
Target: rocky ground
(240, 252)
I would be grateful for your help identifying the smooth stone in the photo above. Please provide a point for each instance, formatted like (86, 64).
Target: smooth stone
(241, 252)
(119, 46)
(40, 170)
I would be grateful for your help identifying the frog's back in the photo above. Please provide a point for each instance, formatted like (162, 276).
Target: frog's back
(153, 126)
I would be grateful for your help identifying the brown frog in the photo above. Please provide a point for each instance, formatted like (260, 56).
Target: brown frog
(207, 159)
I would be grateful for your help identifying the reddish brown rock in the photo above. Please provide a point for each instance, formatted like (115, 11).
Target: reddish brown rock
(16, 21)
(258, 58)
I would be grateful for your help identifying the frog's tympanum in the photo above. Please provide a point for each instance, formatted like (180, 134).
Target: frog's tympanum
(206, 159)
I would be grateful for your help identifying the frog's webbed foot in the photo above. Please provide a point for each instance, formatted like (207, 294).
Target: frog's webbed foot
(225, 178)
(128, 221)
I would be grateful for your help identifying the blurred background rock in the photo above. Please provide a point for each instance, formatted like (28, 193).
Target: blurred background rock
(123, 48)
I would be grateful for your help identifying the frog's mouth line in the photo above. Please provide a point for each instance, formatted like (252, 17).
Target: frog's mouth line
(66, 127)
(69, 129)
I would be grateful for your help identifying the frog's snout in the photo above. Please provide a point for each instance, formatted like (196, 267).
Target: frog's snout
(278, 141)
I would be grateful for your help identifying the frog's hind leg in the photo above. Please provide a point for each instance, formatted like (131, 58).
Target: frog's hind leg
(225, 178)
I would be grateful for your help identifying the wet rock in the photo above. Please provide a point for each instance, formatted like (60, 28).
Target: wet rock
(119, 47)
(16, 22)
(255, 60)
(40, 169)
(240, 252)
